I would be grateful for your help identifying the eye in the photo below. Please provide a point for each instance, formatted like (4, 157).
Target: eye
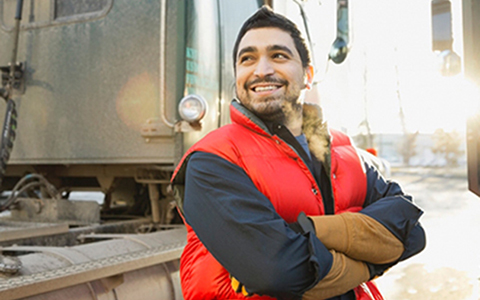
(280, 56)
(245, 58)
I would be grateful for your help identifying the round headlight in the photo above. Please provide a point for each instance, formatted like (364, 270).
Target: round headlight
(192, 108)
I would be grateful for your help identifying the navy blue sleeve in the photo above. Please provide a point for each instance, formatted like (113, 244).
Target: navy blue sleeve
(388, 204)
(378, 187)
(242, 230)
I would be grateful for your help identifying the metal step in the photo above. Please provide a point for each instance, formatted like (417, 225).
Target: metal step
(159, 247)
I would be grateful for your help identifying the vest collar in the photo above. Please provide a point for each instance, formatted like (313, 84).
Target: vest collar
(314, 127)
(316, 131)
(241, 115)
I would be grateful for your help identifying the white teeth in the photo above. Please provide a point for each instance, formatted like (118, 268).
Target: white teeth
(265, 88)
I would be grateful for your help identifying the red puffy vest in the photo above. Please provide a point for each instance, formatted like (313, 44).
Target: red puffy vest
(281, 175)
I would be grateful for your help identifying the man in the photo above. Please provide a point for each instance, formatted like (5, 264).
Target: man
(246, 189)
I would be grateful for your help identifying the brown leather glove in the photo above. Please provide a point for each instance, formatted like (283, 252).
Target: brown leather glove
(345, 274)
(358, 236)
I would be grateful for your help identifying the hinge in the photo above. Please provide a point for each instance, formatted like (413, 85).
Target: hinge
(18, 84)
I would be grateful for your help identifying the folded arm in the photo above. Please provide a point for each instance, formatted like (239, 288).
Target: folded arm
(234, 220)
(241, 229)
(385, 232)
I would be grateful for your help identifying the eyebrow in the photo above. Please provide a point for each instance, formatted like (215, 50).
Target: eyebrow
(269, 48)
(281, 48)
(245, 50)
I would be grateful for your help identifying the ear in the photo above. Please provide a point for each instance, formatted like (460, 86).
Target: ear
(309, 73)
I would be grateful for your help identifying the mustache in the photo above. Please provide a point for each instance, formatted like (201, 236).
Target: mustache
(266, 79)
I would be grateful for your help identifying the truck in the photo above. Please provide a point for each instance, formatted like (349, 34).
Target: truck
(92, 92)
(103, 98)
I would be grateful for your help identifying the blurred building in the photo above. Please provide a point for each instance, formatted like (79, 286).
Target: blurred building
(388, 146)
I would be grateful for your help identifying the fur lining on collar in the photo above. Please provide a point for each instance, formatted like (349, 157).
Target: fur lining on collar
(316, 131)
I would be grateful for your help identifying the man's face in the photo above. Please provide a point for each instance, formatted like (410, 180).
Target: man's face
(269, 72)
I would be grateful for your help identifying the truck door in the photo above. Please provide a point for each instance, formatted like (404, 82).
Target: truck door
(92, 81)
(211, 29)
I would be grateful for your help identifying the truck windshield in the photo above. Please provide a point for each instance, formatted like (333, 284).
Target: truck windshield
(37, 13)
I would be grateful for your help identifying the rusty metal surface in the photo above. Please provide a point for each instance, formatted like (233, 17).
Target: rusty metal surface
(90, 87)
(69, 238)
(105, 259)
(56, 210)
(14, 230)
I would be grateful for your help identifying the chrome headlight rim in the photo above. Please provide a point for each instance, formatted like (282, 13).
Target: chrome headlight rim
(194, 113)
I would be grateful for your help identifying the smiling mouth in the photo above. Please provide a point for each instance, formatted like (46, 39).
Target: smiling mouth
(267, 88)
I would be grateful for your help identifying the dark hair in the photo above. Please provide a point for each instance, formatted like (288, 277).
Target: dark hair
(265, 17)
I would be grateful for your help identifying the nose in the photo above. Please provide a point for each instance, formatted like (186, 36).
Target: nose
(263, 67)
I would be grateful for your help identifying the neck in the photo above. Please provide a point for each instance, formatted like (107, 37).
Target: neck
(294, 119)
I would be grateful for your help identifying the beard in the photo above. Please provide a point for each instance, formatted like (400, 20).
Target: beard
(274, 108)
(271, 109)
(278, 110)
